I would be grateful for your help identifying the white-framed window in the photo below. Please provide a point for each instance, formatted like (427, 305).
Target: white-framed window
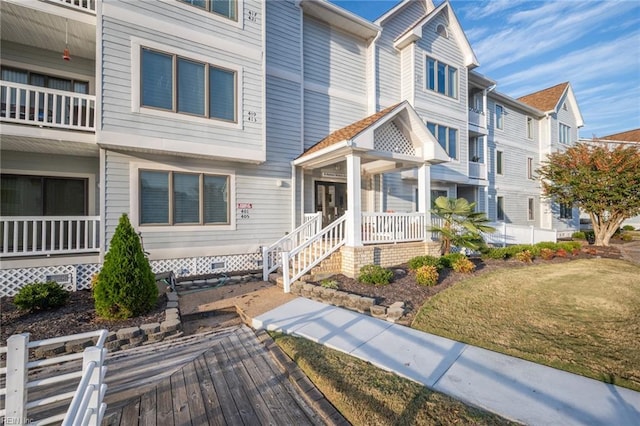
(566, 211)
(226, 8)
(177, 84)
(168, 197)
(529, 168)
(499, 116)
(500, 208)
(564, 134)
(531, 208)
(447, 138)
(40, 195)
(499, 162)
(441, 30)
(441, 77)
(529, 128)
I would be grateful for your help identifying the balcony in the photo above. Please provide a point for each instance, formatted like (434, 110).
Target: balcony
(48, 235)
(43, 107)
(477, 121)
(477, 170)
(88, 6)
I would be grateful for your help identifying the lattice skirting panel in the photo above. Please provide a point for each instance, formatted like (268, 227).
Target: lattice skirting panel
(78, 277)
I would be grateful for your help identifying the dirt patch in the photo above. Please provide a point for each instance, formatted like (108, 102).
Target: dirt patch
(77, 316)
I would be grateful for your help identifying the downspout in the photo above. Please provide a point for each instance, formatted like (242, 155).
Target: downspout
(373, 68)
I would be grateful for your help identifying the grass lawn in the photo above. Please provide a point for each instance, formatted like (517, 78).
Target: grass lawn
(581, 316)
(366, 395)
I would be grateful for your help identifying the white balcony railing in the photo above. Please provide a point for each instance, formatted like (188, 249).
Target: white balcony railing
(40, 106)
(380, 227)
(477, 170)
(81, 5)
(477, 118)
(47, 235)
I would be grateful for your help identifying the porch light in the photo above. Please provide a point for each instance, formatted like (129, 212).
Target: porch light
(65, 53)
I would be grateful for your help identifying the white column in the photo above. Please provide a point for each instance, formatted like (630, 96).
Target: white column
(294, 183)
(16, 386)
(354, 198)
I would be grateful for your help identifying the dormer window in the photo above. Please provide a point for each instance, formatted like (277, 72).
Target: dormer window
(441, 30)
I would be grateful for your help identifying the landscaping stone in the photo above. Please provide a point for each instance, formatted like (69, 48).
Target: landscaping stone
(296, 287)
(171, 311)
(397, 305)
(394, 314)
(353, 301)
(305, 278)
(378, 311)
(307, 289)
(128, 333)
(172, 297)
(365, 304)
(170, 325)
(137, 340)
(156, 337)
(151, 328)
(78, 345)
(172, 304)
(50, 350)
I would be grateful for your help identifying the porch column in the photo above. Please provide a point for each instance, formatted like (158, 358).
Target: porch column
(354, 197)
(424, 191)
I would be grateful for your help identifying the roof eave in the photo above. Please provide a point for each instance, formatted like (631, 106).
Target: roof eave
(339, 17)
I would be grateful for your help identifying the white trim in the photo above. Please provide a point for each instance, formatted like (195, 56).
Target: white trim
(211, 39)
(529, 168)
(136, 106)
(495, 112)
(206, 251)
(56, 136)
(527, 119)
(336, 93)
(531, 214)
(91, 182)
(103, 198)
(501, 163)
(238, 22)
(98, 88)
(283, 73)
(426, 55)
(134, 197)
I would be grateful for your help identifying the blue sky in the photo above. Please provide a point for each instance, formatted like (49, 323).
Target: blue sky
(531, 45)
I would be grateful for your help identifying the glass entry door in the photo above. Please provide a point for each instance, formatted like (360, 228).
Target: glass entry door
(331, 200)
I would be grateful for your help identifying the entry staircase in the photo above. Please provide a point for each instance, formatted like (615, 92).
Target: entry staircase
(301, 250)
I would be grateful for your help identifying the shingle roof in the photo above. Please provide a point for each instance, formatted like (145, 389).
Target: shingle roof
(628, 136)
(546, 99)
(349, 131)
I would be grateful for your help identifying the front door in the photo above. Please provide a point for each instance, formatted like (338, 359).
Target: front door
(331, 200)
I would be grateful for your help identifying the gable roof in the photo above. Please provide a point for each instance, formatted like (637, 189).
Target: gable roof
(348, 132)
(428, 5)
(545, 99)
(414, 32)
(628, 136)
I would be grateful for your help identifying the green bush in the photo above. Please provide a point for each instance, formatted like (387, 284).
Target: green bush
(374, 274)
(427, 275)
(579, 235)
(39, 296)
(547, 245)
(524, 256)
(464, 266)
(329, 284)
(628, 228)
(126, 287)
(498, 253)
(569, 246)
(448, 260)
(419, 261)
(626, 237)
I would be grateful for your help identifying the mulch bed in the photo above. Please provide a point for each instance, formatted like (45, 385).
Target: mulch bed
(77, 316)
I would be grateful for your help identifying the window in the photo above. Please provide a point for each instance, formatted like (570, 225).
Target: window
(564, 134)
(43, 196)
(529, 168)
(172, 198)
(441, 30)
(435, 193)
(42, 80)
(531, 208)
(226, 8)
(499, 117)
(447, 138)
(500, 208)
(529, 127)
(441, 78)
(174, 83)
(566, 211)
(499, 165)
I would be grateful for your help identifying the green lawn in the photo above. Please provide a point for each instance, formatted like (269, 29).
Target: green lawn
(581, 316)
(366, 395)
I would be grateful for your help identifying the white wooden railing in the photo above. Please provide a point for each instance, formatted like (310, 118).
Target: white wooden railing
(45, 235)
(40, 106)
(301, 259)
(477, 118)
(271, 255)
(477, 170)
(507, 233)
(380, 227)
(87, 405)
(82, 5)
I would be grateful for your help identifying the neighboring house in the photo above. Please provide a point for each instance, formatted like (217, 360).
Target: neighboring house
(219, 127)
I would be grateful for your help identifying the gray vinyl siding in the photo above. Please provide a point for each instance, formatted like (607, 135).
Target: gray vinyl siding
(283, 36)
(117, 115)
(407, 73)
(324, 114)
(567, 118)
(399, 193)
(48, 62)
(516, 206)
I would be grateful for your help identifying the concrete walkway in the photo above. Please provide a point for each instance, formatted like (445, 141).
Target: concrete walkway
(513, 388)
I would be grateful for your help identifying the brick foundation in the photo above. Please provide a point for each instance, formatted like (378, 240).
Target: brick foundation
(385, 255)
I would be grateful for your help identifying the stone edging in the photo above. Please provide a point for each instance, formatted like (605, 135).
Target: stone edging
(125, 338)
(362, 304)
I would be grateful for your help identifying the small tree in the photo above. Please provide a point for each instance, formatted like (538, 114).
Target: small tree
(603, 182)
(461, 224)
(125, 287)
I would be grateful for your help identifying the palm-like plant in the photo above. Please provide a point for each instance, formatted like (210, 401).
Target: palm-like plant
(461, 225)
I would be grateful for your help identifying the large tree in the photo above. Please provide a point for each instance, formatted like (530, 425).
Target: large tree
(603, 182)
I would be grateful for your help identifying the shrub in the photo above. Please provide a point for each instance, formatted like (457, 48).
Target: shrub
(561, 252)
(628, 228)
(579, 235)
(524, 256)
(547, 254)
(547, 245)
(569, 246)
(126, 286)
(418, 261)
(497, 253)
(464, 266)
(329, 284)
(427, 275)
(448, 260)
(39, 296)
(626, 237)
(374, 274)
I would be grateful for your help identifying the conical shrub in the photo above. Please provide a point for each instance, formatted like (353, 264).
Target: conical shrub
(126, 287)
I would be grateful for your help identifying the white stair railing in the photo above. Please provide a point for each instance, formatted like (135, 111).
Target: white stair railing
(301, 259)
(87, 405)
(271, 255)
